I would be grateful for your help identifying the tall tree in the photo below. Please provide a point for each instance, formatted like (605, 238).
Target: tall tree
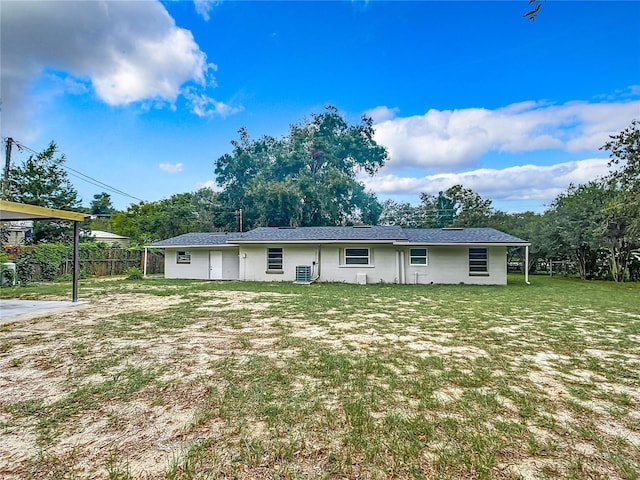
(146, 222)
(306, 178)
(41, 180)
(436, 211)
(526, 225)
(101, 204)
(622, 228)
(574, 224)
(457, 206)
(471, 210)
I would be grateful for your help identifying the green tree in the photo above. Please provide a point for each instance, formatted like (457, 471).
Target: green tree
(525, 225)
(146, 222)
(574, 225)
(401, 214)
(101, 209)
(622, 228)
(306, 178)
(41, 180)
(455, 207)
(101, 204)
(437, 211)
(471, 210)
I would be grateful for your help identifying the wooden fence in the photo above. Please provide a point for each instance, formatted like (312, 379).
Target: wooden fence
(118, 261)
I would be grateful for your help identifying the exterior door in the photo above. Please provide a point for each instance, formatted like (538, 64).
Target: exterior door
(215, 265)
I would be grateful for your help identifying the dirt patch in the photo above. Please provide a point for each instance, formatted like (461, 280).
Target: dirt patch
(46, 367)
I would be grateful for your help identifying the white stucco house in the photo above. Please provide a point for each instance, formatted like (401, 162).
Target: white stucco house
(357, 254)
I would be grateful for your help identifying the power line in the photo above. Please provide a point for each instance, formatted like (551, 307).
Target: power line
(81, 175)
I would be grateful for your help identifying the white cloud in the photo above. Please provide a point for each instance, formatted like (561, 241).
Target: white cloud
(204, 7)
(205, 106)
(382, 113)
(208, 184)
(128, 51)
(526, 182)
(171, 167)
(457, 139)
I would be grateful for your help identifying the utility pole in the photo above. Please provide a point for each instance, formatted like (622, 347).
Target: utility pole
(240, 218)
(7, 168)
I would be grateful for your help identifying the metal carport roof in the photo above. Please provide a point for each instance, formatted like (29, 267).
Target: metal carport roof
(12, 211)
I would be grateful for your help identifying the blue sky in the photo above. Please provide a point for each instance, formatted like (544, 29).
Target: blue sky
(144, 96)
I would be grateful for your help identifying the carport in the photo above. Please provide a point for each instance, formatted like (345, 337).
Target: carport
(12, 211)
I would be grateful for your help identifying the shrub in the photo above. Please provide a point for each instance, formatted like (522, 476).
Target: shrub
(134, 273)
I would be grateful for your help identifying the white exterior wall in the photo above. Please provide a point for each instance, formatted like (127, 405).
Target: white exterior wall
(253, 261)
(446, 264)
(382, 267)
(198, 269)
(450, 264)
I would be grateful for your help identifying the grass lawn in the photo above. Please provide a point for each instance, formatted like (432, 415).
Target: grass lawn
(161, 379)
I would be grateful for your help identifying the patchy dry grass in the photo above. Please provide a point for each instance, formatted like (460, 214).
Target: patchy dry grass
(208, 380)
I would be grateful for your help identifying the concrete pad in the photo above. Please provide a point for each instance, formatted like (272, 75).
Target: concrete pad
(15, 310)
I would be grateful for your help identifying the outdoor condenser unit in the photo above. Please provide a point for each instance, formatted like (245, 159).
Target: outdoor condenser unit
(303, 273)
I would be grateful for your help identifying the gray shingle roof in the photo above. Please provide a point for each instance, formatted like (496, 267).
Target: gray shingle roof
(463, 235)
(286, 234)
(197, 240)
(428, 236)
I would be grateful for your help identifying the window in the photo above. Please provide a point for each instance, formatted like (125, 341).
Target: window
(274, 259)
(356, 256)
(418, 256)
(478, 261)
(183, 257)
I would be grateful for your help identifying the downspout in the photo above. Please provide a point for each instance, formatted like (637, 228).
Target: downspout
(526, 265)
(76, 260)
(317, 265)
(403, 280)
(398, 265)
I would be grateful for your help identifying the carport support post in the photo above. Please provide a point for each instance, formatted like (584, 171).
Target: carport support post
(76, 258)
(526, 264)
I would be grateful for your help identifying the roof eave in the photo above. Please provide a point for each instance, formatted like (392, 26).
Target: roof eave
(470, 244)
(223, 245)
(316, 241)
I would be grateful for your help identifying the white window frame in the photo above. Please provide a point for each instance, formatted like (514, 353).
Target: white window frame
(183, 257)
(425, 257)
(349, 254)
(478, 263)
(272, 259)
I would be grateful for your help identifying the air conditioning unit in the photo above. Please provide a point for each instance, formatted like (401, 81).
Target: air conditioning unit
(303, 274)
(361, 278)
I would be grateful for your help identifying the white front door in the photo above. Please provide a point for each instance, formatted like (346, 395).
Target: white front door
(215, 265)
